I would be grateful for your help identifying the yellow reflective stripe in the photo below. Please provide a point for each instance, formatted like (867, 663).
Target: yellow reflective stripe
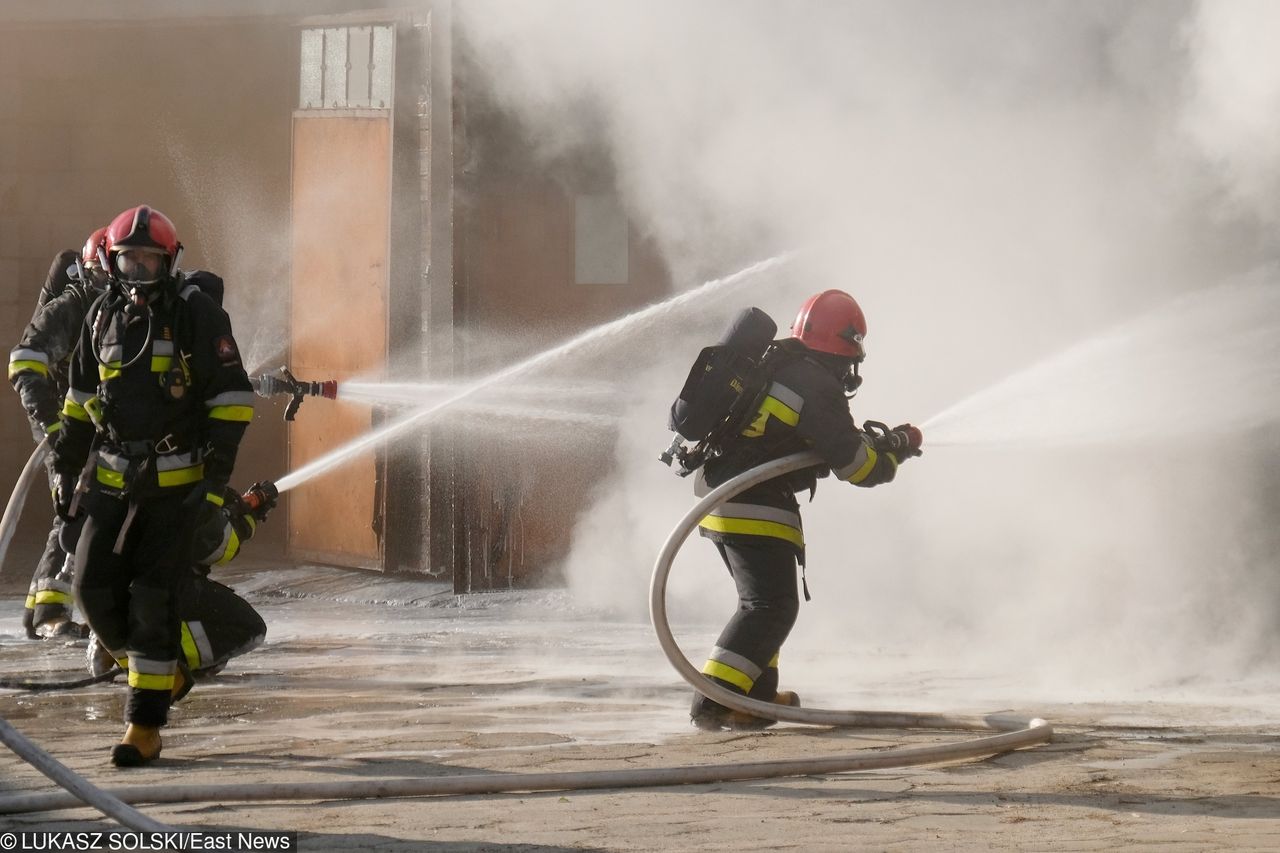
(780, 410)
(724, 672)
(113, 479)
(53, 427)
(233, 548)
(773, 661)
(105, 372)
(777, 408)
(180, 476)
(753, 527)
(143, 681)
(75, 411)
(861, 474)
(31, 601)
(232, 413)
(16, 367)
(161, 363)
(216, 500)
(189, 650)
(52, 596)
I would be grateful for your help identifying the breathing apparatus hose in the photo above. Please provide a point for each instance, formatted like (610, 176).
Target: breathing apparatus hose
(1019, 732)
(1013, 733)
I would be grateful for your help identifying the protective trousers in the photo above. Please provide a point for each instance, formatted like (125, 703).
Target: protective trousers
(217, 624)
(49, 598)
(128, 588)
(745, 657)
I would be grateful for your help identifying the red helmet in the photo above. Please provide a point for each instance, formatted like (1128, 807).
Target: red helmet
(145, 230)
(89, 254)
(832, 322)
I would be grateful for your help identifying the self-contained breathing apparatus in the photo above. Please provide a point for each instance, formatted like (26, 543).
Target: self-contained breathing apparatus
(729, 381)
(723, 390)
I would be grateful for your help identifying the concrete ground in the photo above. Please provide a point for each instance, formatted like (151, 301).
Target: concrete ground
(363, 678)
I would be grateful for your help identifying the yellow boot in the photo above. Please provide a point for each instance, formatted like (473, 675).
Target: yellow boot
(183, 681)
(140, 745)
(738, 721)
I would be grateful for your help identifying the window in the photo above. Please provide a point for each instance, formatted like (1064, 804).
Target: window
(347, 68)
(600, 240)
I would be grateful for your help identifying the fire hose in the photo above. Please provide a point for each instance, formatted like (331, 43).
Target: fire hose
(80, 789)
(1011, 733)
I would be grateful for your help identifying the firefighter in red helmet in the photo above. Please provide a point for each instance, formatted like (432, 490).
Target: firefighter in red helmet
(157, 404)
(38, 372)
(758, 533)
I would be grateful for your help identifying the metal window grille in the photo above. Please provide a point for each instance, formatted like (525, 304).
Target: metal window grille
(347, 68)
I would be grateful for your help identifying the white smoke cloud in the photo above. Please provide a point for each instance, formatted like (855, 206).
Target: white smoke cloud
(995, 182)
(1233, 112)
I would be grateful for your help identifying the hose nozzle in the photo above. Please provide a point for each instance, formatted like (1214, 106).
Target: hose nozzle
(285, 384)
(261, 498)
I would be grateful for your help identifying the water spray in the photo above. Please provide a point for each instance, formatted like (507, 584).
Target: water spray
(1207, 361)
(606, 333)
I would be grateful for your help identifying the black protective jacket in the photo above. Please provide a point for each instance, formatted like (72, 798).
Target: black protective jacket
(38, 365)
(163, 390)
(803, 409)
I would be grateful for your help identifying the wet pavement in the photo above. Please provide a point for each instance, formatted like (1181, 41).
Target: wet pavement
(365, 678)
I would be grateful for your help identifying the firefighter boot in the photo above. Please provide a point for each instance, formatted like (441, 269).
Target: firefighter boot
(62, 627)
(99, 659)
(140, 745)
(183, 681)
(741, 722)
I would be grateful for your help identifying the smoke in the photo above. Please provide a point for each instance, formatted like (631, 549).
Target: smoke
(1233, 112)
(995, 182)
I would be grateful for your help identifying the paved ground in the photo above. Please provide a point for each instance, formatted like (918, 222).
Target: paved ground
(363, 679)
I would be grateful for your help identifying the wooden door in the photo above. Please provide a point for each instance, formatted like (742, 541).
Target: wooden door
(341, 223)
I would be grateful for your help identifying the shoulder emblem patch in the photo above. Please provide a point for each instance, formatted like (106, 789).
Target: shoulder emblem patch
(225, 347)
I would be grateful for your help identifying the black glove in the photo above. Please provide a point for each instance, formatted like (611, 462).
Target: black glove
(902, 441)
(64, 494)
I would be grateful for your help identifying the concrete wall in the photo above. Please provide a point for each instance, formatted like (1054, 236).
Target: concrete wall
(194, 120)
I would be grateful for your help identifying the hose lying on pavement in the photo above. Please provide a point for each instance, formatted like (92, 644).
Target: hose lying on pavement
(15, 684)
(81, 791)
(1013, 733)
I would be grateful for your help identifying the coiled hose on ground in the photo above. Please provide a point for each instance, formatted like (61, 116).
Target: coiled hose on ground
(1012, 733)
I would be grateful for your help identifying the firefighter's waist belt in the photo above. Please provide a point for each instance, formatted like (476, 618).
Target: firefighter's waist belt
(147, 447)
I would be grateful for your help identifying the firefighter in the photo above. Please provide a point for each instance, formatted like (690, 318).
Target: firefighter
(217, 624)
(758, 533)
(38, 372)
(157, 403)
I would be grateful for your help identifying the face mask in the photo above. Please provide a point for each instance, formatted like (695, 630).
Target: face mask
(134, 271)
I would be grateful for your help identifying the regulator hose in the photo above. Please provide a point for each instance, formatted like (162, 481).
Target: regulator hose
(1014, 733)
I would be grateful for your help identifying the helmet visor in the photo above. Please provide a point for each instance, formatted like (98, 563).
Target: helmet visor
(140, 266)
